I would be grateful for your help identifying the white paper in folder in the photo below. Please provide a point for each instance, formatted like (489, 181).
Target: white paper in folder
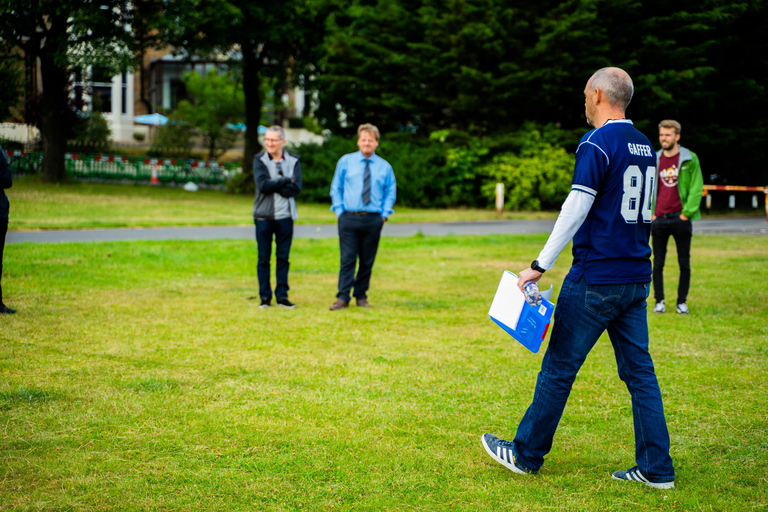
(508, 302)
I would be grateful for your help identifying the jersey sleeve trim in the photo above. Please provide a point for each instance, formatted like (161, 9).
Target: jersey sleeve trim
(582, 188)
(607, 160)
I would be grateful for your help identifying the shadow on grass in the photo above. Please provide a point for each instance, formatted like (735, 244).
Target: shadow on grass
(153, 384)
(25, 395)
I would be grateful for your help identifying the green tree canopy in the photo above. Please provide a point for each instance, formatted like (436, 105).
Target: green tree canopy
(61, 35)
(274, 39)
(11, 83)
(488, 66)
(215, 101)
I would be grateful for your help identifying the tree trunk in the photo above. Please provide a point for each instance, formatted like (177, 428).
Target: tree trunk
(143, 75)
(252, 87)
(54, 102)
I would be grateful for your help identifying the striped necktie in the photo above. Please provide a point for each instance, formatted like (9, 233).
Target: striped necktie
(367, 183)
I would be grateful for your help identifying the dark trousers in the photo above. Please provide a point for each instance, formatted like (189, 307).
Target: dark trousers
(3, 232)
(282, 231)
(682, 231)
(358, 239)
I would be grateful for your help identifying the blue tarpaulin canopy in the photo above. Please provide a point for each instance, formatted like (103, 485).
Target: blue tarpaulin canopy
(241, 126)
(151, 119)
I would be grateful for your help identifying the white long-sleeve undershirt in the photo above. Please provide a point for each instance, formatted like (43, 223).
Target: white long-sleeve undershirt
(572, 215)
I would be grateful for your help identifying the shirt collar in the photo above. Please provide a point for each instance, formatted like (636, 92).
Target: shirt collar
(362, 157)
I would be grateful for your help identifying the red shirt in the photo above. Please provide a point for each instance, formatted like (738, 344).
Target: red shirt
(668, 199)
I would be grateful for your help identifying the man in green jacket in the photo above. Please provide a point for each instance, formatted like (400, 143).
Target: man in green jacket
(676, 202)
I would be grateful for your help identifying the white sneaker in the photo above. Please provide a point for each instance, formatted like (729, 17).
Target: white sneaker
(660, 308)
(683, 309)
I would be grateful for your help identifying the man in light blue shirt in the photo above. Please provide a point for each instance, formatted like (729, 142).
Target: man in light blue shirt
(363, 192)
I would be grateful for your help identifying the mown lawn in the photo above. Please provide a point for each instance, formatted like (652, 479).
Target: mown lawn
(138, 376)
(78, 205)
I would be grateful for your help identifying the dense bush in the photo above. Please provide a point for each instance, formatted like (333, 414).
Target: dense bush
(91, 134)
(451, 169)
(429, 173)
(318, 163)
(536, 179)
(536, 174)
(172, 140)
(8, 144)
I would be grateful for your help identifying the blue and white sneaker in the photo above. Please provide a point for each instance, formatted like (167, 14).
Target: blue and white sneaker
(634, 475)
(501, 451)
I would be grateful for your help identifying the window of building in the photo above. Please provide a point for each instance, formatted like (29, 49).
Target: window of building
(101, 90)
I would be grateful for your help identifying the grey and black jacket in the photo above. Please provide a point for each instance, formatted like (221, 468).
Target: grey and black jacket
(6, 181)
(271, 187)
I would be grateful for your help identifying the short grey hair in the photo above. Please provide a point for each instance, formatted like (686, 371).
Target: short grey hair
(616, 86)
(278, 129)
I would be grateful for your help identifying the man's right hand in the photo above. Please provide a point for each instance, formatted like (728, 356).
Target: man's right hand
(528, 275)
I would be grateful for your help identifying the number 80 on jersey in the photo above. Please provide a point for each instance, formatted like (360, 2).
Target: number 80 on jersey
(634, 185)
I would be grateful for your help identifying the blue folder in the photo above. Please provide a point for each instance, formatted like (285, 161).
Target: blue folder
(526, 323)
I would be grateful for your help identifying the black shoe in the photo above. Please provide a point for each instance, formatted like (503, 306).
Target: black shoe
(5, 310)
(265, 303)
(285, 303)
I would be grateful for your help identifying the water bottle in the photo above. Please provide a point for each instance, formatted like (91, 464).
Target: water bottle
(532, 293)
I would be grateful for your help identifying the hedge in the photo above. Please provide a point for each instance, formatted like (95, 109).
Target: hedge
(452, 170)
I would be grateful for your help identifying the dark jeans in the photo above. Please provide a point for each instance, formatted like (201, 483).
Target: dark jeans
(3, 232)
(358, 239)
(582, 314)
(682, 231)
(282, 230)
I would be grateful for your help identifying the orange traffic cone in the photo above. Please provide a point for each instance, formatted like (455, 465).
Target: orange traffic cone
(154, 179)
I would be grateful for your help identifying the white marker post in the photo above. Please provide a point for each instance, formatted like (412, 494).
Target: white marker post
(499, 198)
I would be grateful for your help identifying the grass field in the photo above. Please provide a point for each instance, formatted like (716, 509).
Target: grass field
(101, 205)
(137, 376)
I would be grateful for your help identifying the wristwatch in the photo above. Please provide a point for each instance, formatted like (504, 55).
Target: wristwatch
(535, 266)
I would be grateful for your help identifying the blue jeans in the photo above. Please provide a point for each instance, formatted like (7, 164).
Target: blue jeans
(582, 314)
(282, 230)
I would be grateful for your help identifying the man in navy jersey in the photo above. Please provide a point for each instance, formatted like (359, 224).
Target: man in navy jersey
(608, 215)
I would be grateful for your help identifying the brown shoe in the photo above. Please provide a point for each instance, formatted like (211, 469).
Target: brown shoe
(363, 303)
(339, 304)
